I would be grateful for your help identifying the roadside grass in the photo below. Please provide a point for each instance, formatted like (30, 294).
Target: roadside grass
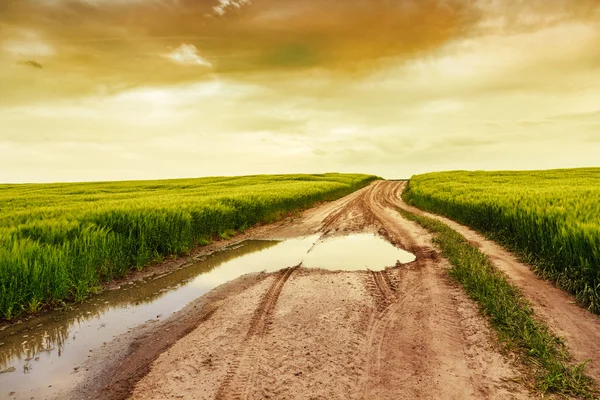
(510, 314)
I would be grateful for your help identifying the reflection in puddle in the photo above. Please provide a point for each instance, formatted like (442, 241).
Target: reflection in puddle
(38, 356)
(355, 252)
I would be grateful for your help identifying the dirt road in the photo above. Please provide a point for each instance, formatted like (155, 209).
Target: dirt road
(404, 333)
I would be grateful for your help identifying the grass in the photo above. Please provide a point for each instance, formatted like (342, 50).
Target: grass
(551, 219)
(509, 313)
(59, 242)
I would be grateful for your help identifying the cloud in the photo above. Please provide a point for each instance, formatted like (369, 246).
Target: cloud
(593, 115)
(187, 54)
(113, 43)
(27, 43)
(225, 5)
(441, 107)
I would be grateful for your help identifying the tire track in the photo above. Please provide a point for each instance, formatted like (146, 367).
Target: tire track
(384, 284)
(381, 289)
(353, 216)
(328, 363)
(239, 380)
(387, 290)
(335, 217)
(384, 296)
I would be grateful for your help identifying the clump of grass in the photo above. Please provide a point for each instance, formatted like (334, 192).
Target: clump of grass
(509, 313)
(228, 234)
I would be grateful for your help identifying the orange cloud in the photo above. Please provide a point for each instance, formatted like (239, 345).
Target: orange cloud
(118, 44)
(99, 46)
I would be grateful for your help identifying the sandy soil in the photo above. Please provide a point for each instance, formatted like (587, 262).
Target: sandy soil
(404, 333)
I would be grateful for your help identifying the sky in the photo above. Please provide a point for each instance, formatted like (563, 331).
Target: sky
(148, 89)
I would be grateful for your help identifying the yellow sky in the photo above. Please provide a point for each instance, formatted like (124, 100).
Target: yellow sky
(136, 89)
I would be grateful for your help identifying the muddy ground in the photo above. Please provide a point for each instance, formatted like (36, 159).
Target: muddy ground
(404, 333)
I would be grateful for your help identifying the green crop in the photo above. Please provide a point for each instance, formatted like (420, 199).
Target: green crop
(59, 242)
(550, 218)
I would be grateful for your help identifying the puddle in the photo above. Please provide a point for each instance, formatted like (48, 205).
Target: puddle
(355, 252)
(41, 355)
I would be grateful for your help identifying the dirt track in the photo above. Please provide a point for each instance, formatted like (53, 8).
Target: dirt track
(404, 333)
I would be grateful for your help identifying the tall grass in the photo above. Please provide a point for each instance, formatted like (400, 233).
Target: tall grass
(59, 242)
(551, 218)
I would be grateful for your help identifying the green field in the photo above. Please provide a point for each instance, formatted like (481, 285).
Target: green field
(59, 242)
(550, 218)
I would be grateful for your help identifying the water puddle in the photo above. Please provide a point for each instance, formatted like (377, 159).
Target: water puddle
(355, 252)
(39, 357)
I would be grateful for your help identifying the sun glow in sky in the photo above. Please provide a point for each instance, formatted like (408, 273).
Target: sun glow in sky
(142, 89)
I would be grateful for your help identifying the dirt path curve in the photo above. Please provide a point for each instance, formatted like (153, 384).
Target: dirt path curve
(404, 333)
(579, 327)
